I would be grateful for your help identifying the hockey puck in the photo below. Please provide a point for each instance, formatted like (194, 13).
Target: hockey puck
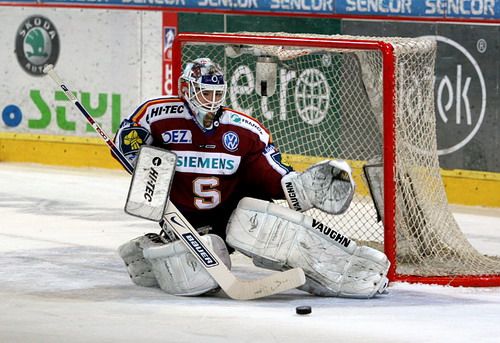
(303, 309)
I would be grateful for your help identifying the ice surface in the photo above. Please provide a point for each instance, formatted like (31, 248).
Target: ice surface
(61, 280)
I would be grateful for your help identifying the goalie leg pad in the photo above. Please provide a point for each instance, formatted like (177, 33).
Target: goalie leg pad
(139, 269)
(179, 272)
(279, 238)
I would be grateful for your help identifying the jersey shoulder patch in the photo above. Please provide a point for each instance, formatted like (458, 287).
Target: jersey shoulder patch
(232, 117)
(131, 138)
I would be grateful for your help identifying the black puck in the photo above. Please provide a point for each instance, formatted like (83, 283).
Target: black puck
(303, 309)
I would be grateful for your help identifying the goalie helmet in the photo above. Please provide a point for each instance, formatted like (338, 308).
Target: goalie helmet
(202, 85)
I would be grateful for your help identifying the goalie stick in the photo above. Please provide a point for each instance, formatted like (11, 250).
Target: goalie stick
(234, 287)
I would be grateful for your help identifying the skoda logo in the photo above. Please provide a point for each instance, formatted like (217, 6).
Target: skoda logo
(230, 140)
(37, 44)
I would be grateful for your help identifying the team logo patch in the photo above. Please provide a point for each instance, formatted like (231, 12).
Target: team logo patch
(230, 140)
(132, 139)
(37, 44)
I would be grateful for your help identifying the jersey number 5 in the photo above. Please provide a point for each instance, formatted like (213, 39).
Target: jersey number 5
(207, 196)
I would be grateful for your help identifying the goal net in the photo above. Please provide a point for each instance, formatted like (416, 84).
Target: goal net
(369, 101)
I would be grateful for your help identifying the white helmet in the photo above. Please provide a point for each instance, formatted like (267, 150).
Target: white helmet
(202, 85)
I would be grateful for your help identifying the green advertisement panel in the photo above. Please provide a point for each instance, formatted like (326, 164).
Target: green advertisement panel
(304, 98)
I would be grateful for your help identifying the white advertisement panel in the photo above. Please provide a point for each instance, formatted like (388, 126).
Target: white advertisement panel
(112, 60)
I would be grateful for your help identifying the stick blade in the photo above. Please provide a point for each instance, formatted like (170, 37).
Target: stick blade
(272, 284)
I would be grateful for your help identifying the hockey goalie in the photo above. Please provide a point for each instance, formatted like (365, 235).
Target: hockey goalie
(227, 173)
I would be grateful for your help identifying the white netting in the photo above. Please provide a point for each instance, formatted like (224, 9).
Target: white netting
(328, 104)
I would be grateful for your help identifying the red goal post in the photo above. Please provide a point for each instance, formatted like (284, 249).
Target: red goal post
(418, 232)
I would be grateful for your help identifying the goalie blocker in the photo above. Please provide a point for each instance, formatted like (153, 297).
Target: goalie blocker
(278, 238)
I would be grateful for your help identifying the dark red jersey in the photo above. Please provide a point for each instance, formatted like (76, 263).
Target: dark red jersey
(215, 168)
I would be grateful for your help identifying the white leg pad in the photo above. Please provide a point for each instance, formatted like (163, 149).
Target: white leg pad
(178, 272)
(139, 269)
(280, 238)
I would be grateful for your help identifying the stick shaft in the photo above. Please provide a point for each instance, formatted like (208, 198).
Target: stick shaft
(116, 152)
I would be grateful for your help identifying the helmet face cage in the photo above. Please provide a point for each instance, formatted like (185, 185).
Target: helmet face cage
(202, 84)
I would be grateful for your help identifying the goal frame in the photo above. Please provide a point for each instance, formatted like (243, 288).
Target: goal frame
(386, 50)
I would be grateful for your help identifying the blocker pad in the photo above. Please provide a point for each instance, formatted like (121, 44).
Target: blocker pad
(151, 181)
